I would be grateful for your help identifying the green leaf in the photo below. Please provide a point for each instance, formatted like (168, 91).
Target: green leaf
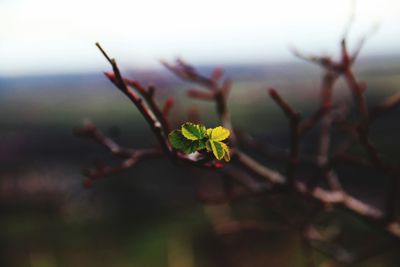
(202, 129)
(217, 149)
(195, 137)
(195, 146)
(201, 144)
(193, 131)
(208, 146)
(227, 156)
(208, 132)
(191, 147)
(219, 133)
(178, 141)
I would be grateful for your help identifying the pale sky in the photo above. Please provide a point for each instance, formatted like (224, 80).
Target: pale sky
(50, 36)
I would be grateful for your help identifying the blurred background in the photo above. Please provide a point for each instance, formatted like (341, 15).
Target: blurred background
(51, 80)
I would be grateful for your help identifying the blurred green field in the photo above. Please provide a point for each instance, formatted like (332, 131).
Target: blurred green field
(149, 216)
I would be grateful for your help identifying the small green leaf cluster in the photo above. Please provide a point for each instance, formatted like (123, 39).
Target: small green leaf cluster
(196, 137)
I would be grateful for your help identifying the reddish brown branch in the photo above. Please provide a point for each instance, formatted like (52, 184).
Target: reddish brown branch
(328, 82)
(188, 73)
(226, 87)
(311, 121)
(258, 169)
(287, 109)
(132, 156)
(371, 150)
(167, 106)
(89, 130)
(324, 144)
(294, 121)
(357, 92)
(195, 93)
(137, 156)
(148, 96)
(149, 116)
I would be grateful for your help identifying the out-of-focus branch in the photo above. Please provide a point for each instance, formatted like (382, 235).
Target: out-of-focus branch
(245, 170)
(258, 169)
(195, 93)
(167, 106)
(355, 87)
(186, 72)
(294, 121)
(340, 197)
(131, 156)
(138, 155)
(89, 130)
(324, 144)
(360, 131)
